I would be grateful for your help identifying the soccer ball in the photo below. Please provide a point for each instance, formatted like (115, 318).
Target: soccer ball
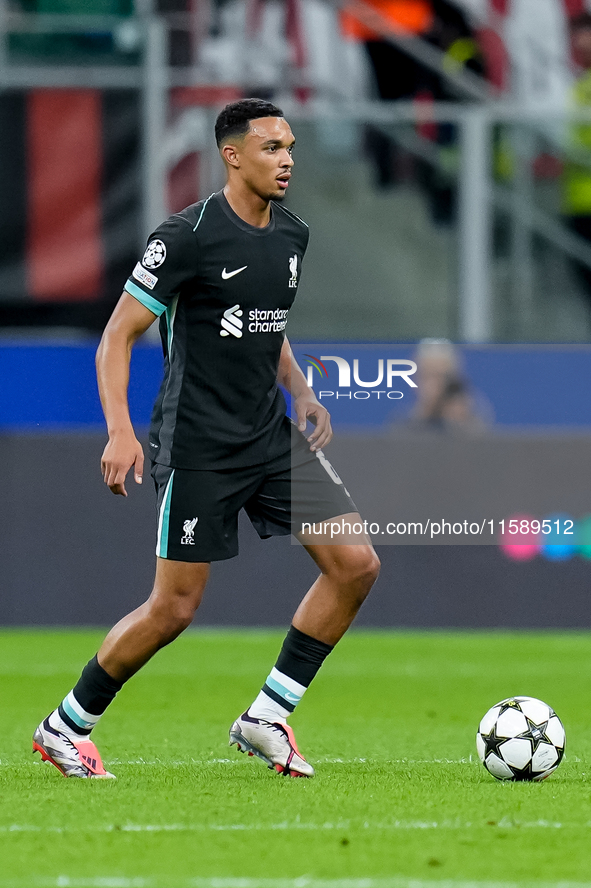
(520, 738)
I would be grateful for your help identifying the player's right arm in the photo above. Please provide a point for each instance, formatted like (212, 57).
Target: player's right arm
(127, 323)
(168, 262)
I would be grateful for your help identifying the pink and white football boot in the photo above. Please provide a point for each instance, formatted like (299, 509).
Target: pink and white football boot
(72, 759)
(273, 742)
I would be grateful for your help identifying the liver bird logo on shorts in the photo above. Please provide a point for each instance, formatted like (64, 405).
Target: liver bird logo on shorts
(189, 531)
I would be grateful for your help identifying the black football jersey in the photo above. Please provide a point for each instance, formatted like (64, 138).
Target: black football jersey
(223, 290)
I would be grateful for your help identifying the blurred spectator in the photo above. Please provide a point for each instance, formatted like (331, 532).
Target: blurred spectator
(577, 173)
(445, 401)
(397, 75)
(277, 46)
(452, 34)
(536, 38)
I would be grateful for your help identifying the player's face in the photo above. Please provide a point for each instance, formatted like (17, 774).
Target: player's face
(265, 157)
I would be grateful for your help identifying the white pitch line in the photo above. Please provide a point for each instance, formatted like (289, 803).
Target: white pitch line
(337, 673)
(294, 826)
(322, 760)
(393, 882)
(102, 882)
(64, 881)
(98, 882)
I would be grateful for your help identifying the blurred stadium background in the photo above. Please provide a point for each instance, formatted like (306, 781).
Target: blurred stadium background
(444, 165)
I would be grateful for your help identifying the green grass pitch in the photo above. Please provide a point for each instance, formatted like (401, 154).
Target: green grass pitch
(399, 800)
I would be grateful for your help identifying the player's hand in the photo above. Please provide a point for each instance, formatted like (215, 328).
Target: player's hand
(307, 407)
(121, 453)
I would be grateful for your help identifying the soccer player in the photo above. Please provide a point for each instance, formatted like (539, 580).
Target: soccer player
(221, 275)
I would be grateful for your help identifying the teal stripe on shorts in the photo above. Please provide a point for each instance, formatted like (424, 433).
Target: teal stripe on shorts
(163, 524)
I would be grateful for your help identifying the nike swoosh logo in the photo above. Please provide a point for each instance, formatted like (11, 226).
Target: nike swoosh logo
(230, 274)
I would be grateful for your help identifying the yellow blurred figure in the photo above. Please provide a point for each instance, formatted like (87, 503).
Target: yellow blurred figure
(576, 200)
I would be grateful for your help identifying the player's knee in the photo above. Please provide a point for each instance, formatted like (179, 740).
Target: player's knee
(174, 624)
(359, 567)
(182, 614)
(366, 568)
(174, 614)
(373, 567)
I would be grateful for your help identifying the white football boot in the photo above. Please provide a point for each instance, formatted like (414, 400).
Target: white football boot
(72, 759)
(273, 742)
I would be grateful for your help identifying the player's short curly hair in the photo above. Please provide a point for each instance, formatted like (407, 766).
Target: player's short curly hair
(233, 120)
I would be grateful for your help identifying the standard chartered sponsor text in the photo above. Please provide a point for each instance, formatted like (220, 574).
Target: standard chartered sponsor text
(267, 320)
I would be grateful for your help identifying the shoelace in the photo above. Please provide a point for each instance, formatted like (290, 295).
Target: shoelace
(276, 727)
(74, 748)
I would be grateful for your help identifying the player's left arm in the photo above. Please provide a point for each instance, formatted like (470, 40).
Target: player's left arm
(306, 404)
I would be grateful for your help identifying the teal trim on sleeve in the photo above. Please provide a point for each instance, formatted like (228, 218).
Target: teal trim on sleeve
(202, 212)
(170, 316)
(147, 301)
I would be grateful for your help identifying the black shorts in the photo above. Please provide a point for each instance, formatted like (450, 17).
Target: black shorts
(198, 510)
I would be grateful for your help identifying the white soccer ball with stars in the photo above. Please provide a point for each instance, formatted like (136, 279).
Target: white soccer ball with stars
(521, 738)
(155, 254)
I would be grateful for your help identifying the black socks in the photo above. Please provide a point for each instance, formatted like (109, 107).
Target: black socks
(85, 704)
